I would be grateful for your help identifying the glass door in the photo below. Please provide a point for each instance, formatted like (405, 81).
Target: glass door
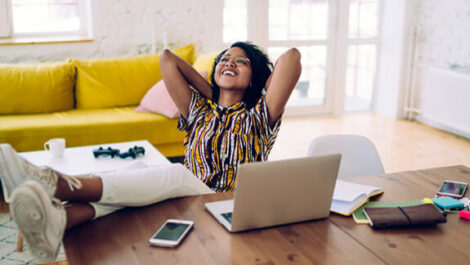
(338, 40)
(304, 24)
(362, 54)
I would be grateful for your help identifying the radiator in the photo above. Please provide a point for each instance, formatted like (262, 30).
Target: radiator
(442, 98)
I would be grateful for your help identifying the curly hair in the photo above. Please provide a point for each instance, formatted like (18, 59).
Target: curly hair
(261, 69)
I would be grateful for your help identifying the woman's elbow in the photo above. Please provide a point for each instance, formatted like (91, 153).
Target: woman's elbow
(290, 57)
(293, 54)
(164, 55)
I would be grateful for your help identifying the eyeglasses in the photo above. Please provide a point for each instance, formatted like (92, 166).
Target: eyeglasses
(237, 60)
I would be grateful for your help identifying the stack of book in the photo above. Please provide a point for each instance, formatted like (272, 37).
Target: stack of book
(352, 198)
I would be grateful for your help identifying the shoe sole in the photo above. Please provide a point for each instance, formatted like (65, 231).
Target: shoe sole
(29, 212)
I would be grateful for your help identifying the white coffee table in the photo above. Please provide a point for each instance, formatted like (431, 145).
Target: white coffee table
(80, 160)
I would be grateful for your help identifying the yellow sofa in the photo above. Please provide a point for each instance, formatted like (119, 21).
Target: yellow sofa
(87, 102)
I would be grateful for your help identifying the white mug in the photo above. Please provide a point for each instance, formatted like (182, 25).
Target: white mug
(55, 146)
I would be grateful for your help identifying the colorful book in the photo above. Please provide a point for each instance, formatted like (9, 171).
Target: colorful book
(360, 218)
(349, 196)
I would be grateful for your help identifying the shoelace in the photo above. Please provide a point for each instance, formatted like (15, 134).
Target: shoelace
(73, 182)
(57, 203)
(50, 177)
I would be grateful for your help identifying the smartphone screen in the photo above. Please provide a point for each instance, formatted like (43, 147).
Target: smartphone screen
(171, 231)
(453, 188)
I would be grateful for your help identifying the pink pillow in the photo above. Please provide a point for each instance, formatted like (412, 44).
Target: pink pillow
(158, 100)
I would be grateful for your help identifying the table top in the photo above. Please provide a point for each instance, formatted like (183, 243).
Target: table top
(121, 238)
(80, 160)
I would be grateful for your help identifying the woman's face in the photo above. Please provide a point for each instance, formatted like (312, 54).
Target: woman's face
(233, 70)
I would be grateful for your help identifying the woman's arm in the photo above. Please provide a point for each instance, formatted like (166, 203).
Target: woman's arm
(282, 81)
(178, 75)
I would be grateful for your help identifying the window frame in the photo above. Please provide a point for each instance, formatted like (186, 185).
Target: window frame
(10, 37)
(5, 19)
(357, 41)
(260, 34)
(337, 44)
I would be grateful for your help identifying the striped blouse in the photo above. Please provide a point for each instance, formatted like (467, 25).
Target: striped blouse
(218, 139)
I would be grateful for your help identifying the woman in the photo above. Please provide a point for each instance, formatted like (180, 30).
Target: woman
(226, 124)
(230, 122)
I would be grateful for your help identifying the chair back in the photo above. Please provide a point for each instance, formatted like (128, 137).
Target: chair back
(359, 155)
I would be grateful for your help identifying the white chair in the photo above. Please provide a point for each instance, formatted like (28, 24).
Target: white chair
(359, 155)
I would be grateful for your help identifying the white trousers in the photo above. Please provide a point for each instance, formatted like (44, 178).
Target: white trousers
(145, 186)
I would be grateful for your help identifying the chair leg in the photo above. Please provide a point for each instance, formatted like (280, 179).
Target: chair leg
(19, 244)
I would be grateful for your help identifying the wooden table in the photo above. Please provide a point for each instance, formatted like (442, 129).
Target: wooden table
(121, 238)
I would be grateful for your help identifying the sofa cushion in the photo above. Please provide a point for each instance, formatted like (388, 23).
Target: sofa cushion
(36, 88)
(158, 100)
(119, 81)
(204, 62)
(85, 127)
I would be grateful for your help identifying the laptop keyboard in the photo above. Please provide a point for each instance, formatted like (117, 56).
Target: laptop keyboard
(228, 216)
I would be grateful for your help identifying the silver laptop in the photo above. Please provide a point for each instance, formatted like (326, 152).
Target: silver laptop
(279, 192)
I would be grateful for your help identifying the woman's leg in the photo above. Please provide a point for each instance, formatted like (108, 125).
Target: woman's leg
(43, 220)
(78, 213)
(144, 186)
(91, 190)
(15, 170)
(130, 187)
(82, 207)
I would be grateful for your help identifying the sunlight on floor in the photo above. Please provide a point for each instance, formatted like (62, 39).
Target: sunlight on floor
(403, 145)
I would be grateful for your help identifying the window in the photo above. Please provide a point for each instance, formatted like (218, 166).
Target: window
(305, 25)
(235, 21)
(298, 20)
(362, 53)
(44, 18)
(5, 29)
(363, 22)
(338, 41)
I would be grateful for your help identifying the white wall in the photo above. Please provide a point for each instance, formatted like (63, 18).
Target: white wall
(446, 32)
(442, 94)
(132, 27)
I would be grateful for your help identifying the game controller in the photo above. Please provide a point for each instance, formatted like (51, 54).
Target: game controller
(133, 152)
(105, 152)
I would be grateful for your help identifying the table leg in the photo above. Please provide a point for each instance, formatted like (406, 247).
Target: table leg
(19, 244)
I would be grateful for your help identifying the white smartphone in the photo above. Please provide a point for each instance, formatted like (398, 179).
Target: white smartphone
(171, 233)
(452, 189)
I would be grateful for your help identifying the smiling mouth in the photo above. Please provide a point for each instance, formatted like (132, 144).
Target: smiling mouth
(228, 72)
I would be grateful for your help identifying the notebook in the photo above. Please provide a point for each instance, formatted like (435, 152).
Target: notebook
(360, 218)
(384, 217)
(349, 196)
(279, 192)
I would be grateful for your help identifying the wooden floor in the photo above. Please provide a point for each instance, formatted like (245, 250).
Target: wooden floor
(402, 145)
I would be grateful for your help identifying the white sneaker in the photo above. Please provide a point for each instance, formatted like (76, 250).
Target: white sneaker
(40, 219)
(14, 170)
